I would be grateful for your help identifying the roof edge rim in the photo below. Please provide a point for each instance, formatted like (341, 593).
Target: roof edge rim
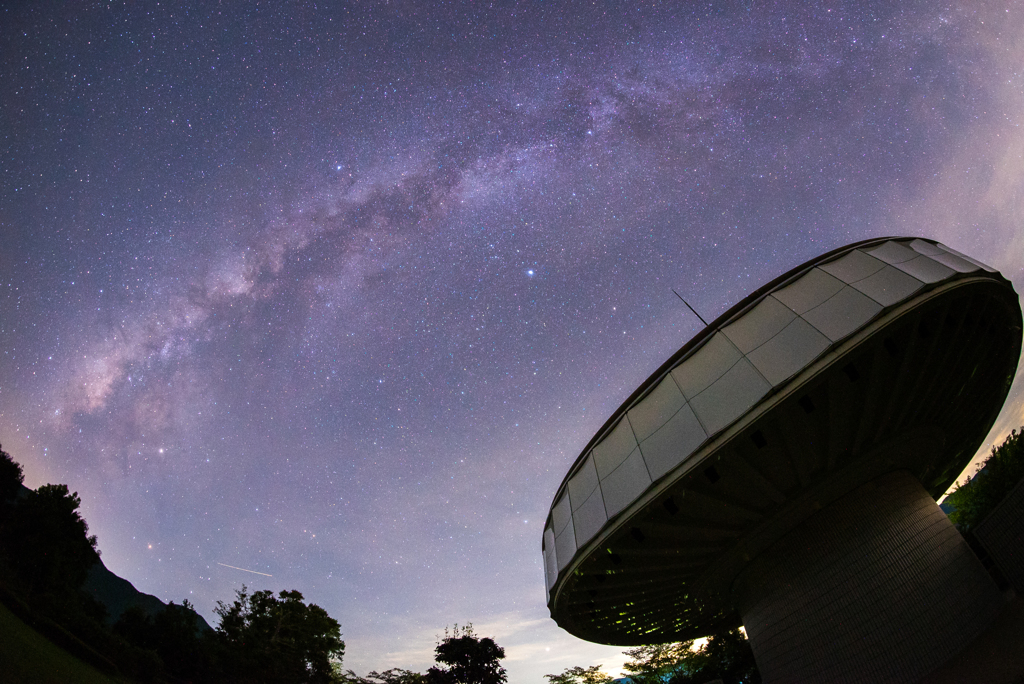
(694, 344)
(777, 395)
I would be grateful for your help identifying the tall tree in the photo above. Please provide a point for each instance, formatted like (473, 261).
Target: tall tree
(656, 663)
(279, 639)
(180, 643)
(726, 656)
(467, 659)
(580, 675)
(395, 675)
(11, 477)
(174, 634)
(47, 542)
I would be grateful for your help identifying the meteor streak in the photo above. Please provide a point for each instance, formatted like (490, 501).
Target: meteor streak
(243, 569)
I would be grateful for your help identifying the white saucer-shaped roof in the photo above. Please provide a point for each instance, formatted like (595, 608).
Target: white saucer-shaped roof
(889, 354)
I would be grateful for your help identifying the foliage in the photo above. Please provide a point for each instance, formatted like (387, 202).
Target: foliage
(463, 658)
(11, 477)
(45, 555)
(726, 656)
(1000, 472)
(174, 635)
(136, 625)
(180, 642)
(278, 639)
(393, 676)
(580, 675)
(29, 657)
(467, 659)
(47, 543)
(655, 663)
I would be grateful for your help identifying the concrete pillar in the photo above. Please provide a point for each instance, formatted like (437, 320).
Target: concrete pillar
(1002, 535)
(876, 587)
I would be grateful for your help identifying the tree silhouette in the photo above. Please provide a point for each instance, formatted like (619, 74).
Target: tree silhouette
(11, 478)
(726, 656)
(580, 675)
(174, 634)
(467, 659)
(1000, 472)
(655, 663)
(278, 639)
(395, 675)
(47, 542)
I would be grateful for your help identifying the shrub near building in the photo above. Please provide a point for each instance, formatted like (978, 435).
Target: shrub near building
(1000, 472)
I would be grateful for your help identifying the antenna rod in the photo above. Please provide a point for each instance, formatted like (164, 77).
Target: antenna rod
(690, 308)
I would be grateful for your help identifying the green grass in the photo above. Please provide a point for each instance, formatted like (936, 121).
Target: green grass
(28, 657)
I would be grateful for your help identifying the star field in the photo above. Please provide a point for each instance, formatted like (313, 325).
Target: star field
(336, 293)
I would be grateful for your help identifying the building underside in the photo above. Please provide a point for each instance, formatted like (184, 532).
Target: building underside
(877, 587)
(835, 466)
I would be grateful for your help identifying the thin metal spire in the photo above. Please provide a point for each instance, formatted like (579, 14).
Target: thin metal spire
(690, 307)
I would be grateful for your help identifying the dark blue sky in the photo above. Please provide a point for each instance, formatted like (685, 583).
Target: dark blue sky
(337, 293)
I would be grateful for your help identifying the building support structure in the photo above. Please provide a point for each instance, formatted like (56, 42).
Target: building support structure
(877, 586)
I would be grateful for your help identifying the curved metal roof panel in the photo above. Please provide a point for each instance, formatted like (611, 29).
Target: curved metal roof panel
(747, 354)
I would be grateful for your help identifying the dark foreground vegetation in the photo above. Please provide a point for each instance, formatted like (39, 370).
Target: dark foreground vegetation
(972, 501)
(28, 656)
(46, 553)
(725, 656)
(45, 556)
(49, 622)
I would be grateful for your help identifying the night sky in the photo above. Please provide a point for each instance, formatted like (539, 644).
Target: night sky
(337, 294)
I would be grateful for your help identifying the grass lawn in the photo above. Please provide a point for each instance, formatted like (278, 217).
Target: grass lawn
(28, 657)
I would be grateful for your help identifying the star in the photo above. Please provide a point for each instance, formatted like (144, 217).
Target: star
(223, 273)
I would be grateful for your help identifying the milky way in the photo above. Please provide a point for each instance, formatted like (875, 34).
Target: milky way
(337, 294)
